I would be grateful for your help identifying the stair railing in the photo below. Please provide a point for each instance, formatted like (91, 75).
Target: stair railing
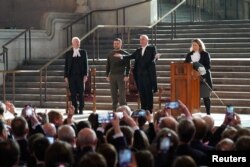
(87, 19)
(27, 47)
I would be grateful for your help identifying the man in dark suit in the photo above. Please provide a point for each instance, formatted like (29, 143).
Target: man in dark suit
(145, 71)
(76, 73)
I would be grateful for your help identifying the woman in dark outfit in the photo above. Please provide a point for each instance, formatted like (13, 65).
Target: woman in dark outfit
(198, 55)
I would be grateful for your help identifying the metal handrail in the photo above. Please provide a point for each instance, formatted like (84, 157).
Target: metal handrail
(69, 26)
(5, 49)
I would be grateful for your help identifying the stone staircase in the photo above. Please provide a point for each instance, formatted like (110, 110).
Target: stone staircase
(227, 41)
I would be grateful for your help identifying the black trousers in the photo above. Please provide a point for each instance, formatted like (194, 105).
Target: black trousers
(76, 88)
(207, 103)
(146, 94)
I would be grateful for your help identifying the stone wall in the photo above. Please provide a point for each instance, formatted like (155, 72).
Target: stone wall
(27, 13)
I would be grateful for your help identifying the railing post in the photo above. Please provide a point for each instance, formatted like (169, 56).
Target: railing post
(98, 44)
(93, 46)
(29, 45)
(46, 77)
(4, 87)
(13, 87)
(25, 47)
(41, 80)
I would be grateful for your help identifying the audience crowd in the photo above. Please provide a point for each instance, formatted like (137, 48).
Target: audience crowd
(123, 138)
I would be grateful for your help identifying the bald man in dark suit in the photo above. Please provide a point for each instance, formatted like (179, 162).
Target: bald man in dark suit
(76, 73)
(145, 71)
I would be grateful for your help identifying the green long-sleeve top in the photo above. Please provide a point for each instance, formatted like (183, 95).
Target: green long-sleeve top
(117, 66)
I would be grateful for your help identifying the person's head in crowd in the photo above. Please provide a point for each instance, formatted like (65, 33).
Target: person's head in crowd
(93, 159)
(140, 117)
(82, 124)
(225, 144)
(200, 128)
(42, 117)
(110, 154)
(93, 119)
(49, 129)
(3, 131)
(59, 152)
(157, 119)
(230, 132)
(209, 121)
(55, 117)
(67, 133)
(184, 161)
(40, 146)
(166, 141)
(140, 140)
(144, 158)
(87, 138)
(125, 108)
(243, 143)
(19, 127)
(168, 122)
(31, 140)
(9, 153)
(242, 132)
(186, 130)
(127, 132)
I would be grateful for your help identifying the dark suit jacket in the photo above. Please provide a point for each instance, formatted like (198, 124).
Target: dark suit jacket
(145, 65)
(205, 61)
(83, 65)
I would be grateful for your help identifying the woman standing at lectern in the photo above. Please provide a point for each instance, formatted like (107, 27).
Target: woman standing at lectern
(201, 62)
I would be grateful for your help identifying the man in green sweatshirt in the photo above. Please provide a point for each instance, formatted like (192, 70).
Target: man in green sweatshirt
(117, 72)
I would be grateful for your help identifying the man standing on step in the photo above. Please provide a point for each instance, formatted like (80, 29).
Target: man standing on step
(117, 72)
(144, 71)
(76, 73)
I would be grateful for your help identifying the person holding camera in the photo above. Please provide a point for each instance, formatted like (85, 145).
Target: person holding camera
(76, 73)
(200, 58)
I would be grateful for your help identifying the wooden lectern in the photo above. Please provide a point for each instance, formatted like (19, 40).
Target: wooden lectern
(185, 86)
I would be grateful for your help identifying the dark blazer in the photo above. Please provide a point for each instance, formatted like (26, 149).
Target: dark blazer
(205, 61)
(83, 65)
(145, 65)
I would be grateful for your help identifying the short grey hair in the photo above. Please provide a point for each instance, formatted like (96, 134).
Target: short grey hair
(76, 38)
